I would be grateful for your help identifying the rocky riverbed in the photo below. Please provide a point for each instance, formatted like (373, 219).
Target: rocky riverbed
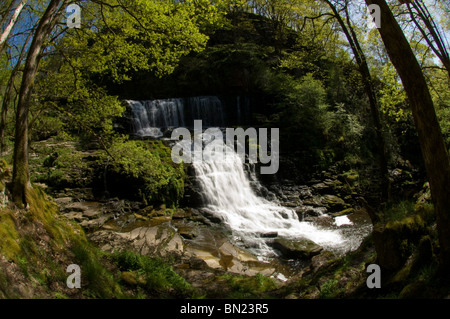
(199, 242)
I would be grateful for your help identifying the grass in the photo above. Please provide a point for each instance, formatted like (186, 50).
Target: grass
(152, 274)
(329, 289)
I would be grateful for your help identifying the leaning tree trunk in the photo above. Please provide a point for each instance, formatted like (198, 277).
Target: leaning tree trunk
(432, 144)
(21, 178)
(8, 96)
(11, 23)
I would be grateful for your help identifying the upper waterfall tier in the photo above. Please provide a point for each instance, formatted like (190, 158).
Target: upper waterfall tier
(151, 117)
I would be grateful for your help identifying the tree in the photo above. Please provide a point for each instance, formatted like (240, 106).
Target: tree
(119, 39)
(425, 23)
(352, 38)
(21, 178)
(432, 144)
(12, 22)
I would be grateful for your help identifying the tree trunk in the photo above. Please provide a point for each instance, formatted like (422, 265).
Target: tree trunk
(11, 24)
(432, 144)
(8, 97)
(433, 34)
(6, 101)
(21, 178)
(6, 8)
(370, 92)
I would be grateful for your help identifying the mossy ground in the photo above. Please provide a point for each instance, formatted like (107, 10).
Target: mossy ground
(37, 244)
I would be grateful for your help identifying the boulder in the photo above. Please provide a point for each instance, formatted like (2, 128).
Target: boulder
(298, 248)
(334, 202)
(321, 188)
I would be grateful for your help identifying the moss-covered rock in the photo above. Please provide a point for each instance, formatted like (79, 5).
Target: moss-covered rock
(297, 249)
(393, 241)
(143, 170)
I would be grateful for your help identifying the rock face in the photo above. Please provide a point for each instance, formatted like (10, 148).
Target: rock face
(297, 249)
(160, 240)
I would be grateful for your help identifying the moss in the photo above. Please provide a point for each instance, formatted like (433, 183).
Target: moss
(144, 170)
(329, 289)
(42, 243)
(97, 280)
(42, 210)
(244, 287)
(409, 227)
(9, 236)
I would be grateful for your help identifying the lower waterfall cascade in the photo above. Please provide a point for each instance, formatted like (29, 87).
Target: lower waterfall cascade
(227, 192)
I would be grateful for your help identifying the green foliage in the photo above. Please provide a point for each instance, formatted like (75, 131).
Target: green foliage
(408, 211)
(399, 211)
(153, 274)
(244, 287)
(311, 125)
(65, 167)
(139, 35)
(146, 169)
(45, 127)
(343, 130)
(305, 112)
(444, 120)
(329, 289)
(42, 244)
(9, 236)
(73, 104)
(393, 97)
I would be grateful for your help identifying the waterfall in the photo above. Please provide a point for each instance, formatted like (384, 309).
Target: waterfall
(207, 108)
(226, 188)
(151, 117)
(228, 194)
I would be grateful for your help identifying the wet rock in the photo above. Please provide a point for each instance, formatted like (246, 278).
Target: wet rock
(334, 202)
(344, 212)
(63, 200)
(297, 249)
(313, 211)
(324, 221)
(96, 223)
(321, 188)
(158, 240)
(210, 216)
(291, 204)
(76, 216)
(75, 207)
(268, 234)
(313, 201)
(232, 259)
(323, 260)
(181, 214)
(187, 232)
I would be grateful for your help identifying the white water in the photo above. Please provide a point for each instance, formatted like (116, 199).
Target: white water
(228, 194)
(225, 185)
(151, 117)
